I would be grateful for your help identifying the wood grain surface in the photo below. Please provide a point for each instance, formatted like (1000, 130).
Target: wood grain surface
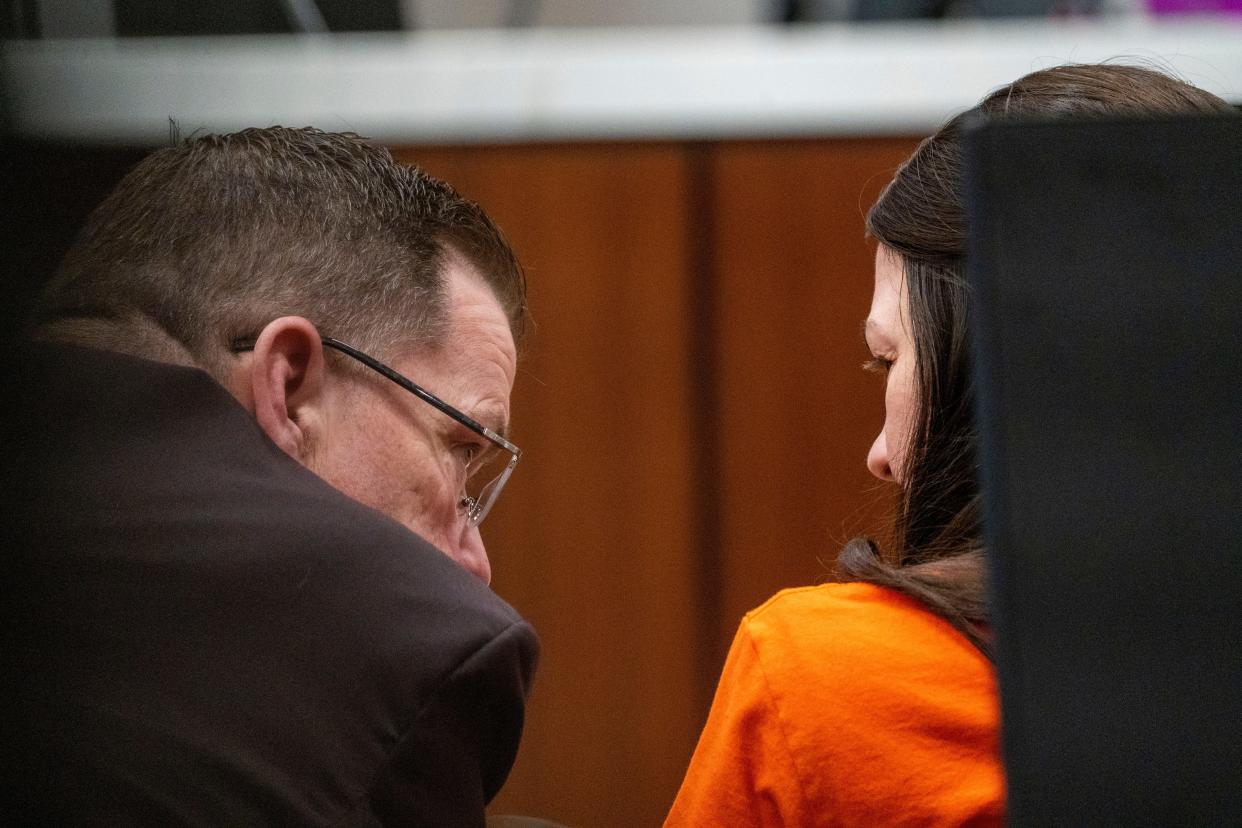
(693, 423)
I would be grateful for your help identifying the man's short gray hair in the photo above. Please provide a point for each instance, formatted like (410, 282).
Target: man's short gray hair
(213, 238)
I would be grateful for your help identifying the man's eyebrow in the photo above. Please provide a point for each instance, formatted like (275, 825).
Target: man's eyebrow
(493, 417)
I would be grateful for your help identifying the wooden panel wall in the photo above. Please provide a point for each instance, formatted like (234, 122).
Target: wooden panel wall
(591, 540)
(693, 423)
(794, 281)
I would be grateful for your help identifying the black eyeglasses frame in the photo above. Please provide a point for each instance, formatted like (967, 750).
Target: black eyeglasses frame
(476, 508)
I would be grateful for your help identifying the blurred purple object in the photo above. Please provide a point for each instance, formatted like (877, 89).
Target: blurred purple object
(1187, 6)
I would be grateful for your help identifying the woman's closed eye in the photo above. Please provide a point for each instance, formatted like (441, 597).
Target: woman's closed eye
(878, 365)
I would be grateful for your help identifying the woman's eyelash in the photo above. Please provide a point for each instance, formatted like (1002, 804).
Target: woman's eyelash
(877, 365)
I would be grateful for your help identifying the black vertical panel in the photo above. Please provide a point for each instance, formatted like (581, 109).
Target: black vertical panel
(1106, 264)
(19, 19)
(233, 17)
(225, 17)
(357, 16)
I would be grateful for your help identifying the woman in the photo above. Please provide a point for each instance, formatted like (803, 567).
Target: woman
(874, 702)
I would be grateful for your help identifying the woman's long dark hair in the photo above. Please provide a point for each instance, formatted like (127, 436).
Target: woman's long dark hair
(938, 553)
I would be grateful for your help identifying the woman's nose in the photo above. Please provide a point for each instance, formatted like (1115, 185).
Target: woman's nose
(877, 459)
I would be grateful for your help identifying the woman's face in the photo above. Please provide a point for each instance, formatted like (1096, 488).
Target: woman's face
(887, 331)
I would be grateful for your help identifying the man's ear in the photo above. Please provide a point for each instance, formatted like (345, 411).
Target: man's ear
(286, 378)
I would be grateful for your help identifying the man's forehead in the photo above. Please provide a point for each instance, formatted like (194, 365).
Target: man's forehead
(477, 325)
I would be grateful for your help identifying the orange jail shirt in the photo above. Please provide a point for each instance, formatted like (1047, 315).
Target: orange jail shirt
(847, 704)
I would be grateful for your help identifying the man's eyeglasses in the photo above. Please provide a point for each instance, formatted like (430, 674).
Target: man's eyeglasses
(486, 474)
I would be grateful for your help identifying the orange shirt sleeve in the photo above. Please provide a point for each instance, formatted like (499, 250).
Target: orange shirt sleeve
(742, 772)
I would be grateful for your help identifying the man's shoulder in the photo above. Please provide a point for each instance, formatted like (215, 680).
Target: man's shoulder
(159, 463)
(248, 625)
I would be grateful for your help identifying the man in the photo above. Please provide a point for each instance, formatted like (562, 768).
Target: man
(249, 449)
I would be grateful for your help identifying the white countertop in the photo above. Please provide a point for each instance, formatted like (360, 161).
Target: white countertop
(563, 84)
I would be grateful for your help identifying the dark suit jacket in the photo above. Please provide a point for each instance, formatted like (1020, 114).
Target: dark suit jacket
(197, 630)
